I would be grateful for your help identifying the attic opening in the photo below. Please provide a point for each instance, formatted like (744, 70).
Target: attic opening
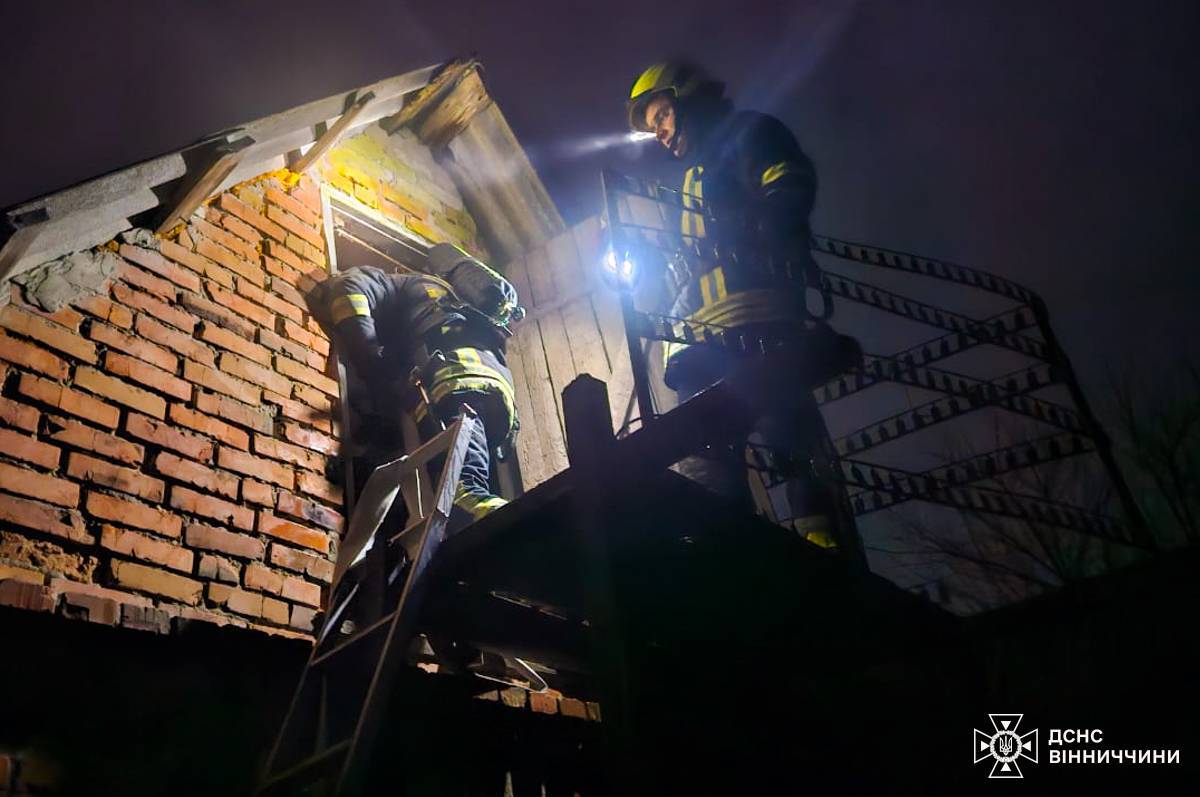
(375, 435)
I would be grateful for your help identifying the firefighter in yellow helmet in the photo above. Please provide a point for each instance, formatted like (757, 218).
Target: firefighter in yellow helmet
(747, 183)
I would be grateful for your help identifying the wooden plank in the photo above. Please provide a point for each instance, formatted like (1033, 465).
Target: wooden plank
(555, 343)
(333, 134)
(543, 451)
(606, 308)
(195, 190)
(528, 443)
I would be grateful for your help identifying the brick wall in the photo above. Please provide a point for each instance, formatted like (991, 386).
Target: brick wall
(162, 444)
(397, 177)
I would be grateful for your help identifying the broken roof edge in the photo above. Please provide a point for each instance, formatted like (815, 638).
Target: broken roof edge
(92, 212)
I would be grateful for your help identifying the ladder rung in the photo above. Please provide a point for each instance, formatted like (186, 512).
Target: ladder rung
(416, 524)
(317, 761)
(371, 629)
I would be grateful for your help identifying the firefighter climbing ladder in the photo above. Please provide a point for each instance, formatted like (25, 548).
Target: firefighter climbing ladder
(344, 690)
(632, 206)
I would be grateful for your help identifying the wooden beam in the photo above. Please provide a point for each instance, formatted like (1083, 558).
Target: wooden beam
(333, 134)
(429, 95)
(195, 190)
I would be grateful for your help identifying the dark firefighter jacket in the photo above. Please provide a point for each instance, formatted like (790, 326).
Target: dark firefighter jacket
(385, 324)
(755, 187)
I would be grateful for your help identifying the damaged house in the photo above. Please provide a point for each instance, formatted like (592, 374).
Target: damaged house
(168, 523)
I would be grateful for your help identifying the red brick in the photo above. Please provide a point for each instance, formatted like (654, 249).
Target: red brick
(210, 426)
(214, 508)
(189, 614)
(277, 449)
(302, 562)
(275, 610)
(189, 472)
(257, 493)
(282, 254)
(176, 341)
(313, 256)
(142, 349)
(210, 538)
(38, 485)
(186, 257)
(294, 206)
(62, 586)
(237, 600)
(243, 307)
(149, 375)
(264, 580)
(270, 301)
(570, 707)
(250, 270)
(299, 411)
(8, 572)
(219, 336)
(222, 383)
(210, 227)
(281, 270)
(228, 202)
(309, 376)
(218, 313)
(154, 261)
(139, 278)
(69, 401)
(32, 597)
(292, 532)
(255, 466)
(106, 310)
(307, 192)
(543, 704)
(219, 569)
(21, 446)
(315, 441)
(303, 336)
(298, 590)
(317, 485)
(47, 333)
(303, 618)
(120, 392)
(131, 513)
(312, 326)
(255, 374)
(292, 349)
(306, 232)
(156, 582)
(126, 480)
(27, 355)
(22, 416)
(93, 609)
(160, 310)
(43, 517)
(294, 505)
(167, 436)
(146, 618)
(288, 293)
(235, 412)
(240, 228)
(79, 435)
(147, 549)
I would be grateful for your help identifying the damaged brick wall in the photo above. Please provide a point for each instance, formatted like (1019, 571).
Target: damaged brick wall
(397, 177)
(163, 441)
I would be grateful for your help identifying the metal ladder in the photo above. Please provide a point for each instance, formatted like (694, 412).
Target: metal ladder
(343, 693)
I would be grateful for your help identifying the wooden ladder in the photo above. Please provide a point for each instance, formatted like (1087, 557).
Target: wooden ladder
(325, 740)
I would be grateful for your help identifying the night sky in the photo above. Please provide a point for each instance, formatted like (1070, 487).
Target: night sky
(1054, 143)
